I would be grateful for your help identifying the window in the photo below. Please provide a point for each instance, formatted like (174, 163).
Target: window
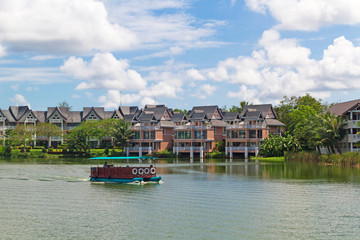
(234, 134)
(204, 134)
(252, 133)
(197, 134)
(152, 135)
(241, 134)
(187, 134)
(137, 135)
(228, 134)
(146, 135)
(181, 135)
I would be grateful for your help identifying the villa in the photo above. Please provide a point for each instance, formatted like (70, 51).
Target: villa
(157, 127)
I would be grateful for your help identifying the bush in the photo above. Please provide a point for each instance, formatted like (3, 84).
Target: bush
(215, 154)
(164, 154)
(44, 150)
(38, 147)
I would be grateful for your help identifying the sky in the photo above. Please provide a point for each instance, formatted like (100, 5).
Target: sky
(181, 53)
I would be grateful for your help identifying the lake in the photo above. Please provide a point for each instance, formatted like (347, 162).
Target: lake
(53, 199)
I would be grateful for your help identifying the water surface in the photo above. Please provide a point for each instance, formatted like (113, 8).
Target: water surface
(43, 199)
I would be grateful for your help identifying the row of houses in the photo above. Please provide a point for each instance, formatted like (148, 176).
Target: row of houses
(157, 127)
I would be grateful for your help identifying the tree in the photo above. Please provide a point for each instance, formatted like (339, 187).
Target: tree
(79, 138)
(289, 104)
(275, 146)
(48, 130)
(240, 108)
(22, 134)
(65, 104)
(331, 131)
(121, 133)
(183, 111)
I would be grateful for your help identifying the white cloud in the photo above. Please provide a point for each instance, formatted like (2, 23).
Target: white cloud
(204, 91)
(163, 24)
(34, 75)
(2, 51)
(114, 98)
(308, 15)
(64, 26)
(283, 67)
(104, 71)
(195, 75)
(20, 100)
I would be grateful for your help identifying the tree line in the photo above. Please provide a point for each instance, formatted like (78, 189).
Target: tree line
(308, 127)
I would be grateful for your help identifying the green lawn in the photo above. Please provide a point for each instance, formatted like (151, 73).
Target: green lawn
(271, 159)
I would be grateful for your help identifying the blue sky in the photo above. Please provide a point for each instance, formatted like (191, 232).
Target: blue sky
(177, 52)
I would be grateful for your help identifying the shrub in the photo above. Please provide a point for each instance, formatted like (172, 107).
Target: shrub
(164, 154)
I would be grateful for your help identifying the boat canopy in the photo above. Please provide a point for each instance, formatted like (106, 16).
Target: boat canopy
(113, 158)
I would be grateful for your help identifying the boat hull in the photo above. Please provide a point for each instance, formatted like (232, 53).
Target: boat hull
(125, 180)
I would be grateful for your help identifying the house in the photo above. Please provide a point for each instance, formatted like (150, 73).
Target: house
(350, 111)
(246, 131)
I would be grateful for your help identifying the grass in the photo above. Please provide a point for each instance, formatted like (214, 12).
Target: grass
(271, 159)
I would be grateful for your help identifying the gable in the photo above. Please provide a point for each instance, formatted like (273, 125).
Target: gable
(2, 117)
(217, 114)
(56, 117)
(30, 117)
(92, 116)
(166, 115)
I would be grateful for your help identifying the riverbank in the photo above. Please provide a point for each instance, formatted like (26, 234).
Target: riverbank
(349, 159)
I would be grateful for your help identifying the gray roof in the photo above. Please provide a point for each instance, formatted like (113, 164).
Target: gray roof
(198, 117)
(164, 123)
(253, 115)
(341, 108)
(273, 122)
(230, 116)
(157, 110)
(263, 108)
(18, 112)
(143, 117)
(208, 110)
(178, 117)
(218, 123)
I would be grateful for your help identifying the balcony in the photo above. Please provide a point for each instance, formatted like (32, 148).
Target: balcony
(353, 138)
(182, 149)
(143, 149)
(183, 127)
(353, 124)
(245, 126)
(145, 128)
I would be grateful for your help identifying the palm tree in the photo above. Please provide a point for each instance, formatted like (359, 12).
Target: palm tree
(332, 131)
(121, 133)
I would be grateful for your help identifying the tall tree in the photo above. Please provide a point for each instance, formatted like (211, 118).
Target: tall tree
(331, 131)
(48, 130)
(239, 108)
(65, 104)
(121, 133)
(22, 134)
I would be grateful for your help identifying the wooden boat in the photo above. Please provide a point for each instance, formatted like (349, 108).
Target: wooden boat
(123, 174)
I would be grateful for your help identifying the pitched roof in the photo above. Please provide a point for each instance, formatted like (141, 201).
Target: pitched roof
(263, 108)
(253, 115)
(273, 122)
(218, 123)
(99, 111)
(341, 108)
(208, 110)
(178, 117)
(157, 110)
(230, 116)
(198, 117)
(18, 111)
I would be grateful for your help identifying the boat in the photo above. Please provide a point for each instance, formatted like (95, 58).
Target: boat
(123, 174)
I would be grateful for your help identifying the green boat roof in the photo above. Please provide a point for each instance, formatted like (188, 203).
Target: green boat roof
(110, 158)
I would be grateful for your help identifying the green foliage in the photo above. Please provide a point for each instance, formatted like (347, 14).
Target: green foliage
(215, 154)
(349, 159)
(331, 131)
(48, 130)
(65, 105)
(21, 134)
(288, 105)
(121, 133)
(183, 111)
(239, 108)
(275, 146)
(164, 154)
